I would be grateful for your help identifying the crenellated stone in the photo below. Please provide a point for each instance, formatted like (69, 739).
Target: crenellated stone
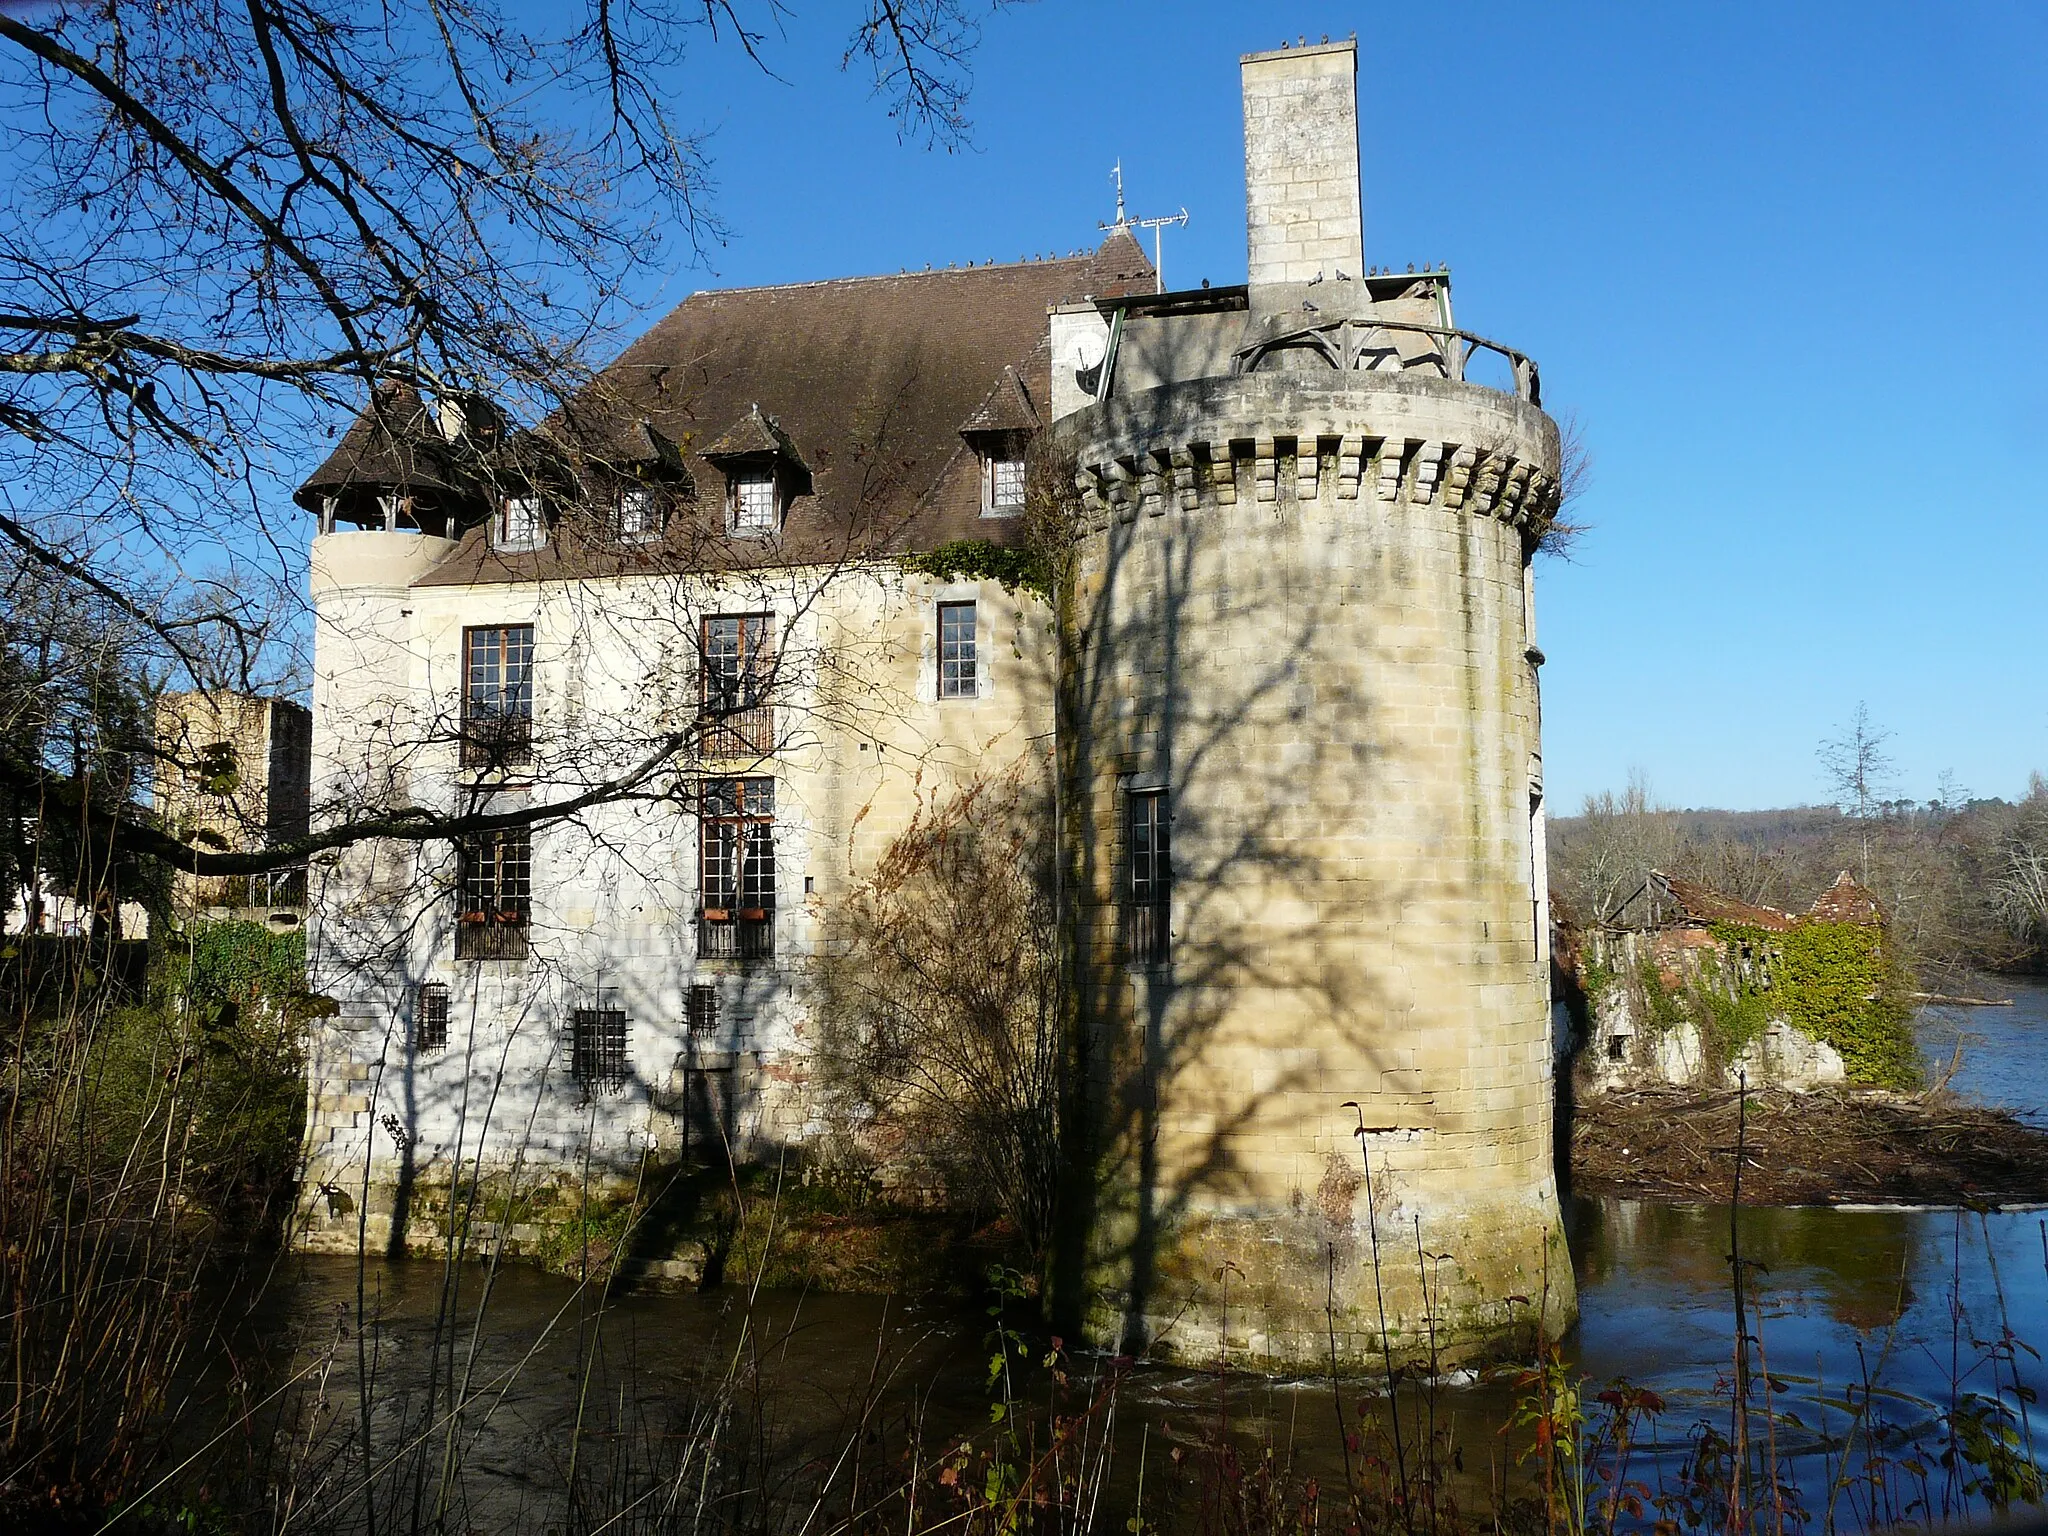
(1184, 477)
(1487, 482)
(1392, 451)
(1428, 460)
(1223, 473)
(1350, 460)
(1458, 477)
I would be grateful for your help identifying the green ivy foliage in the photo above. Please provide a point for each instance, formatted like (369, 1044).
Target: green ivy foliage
(1838, 983)
(981, 560)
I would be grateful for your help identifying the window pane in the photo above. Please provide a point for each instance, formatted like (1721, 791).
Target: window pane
(753, 501)
(521, 523)
(956, 651)
(1006, 484)
(637, 519)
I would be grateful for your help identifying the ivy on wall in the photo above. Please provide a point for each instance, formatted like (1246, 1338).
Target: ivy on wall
(1838, 983)
(981, 560)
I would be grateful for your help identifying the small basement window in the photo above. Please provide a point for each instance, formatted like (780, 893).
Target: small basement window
(597, 1049)
(1617, 1047)
(430, 1018)
(703, 1009)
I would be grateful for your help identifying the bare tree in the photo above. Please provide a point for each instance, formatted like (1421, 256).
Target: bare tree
(942, 1038)
(1861, 773)
(228, 223)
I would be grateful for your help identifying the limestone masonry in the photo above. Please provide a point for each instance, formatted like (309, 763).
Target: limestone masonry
(1289, 700)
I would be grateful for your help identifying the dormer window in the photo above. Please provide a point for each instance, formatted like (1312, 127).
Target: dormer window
(520, 524)
(763, 472)
(639, 515)
(751, 502)
(1002, 482)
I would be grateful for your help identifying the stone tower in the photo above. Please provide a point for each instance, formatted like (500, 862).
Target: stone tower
(1303, 784)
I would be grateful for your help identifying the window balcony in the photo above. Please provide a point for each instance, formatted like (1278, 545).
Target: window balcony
(745, 933)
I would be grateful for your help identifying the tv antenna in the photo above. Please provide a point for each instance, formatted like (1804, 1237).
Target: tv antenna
(1157, 226)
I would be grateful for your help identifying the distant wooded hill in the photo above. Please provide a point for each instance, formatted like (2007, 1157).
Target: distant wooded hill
(1962, 886)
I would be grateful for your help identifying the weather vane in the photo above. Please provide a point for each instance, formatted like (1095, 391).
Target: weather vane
(1157, 226)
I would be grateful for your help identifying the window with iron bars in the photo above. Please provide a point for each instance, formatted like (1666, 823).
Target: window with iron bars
(597, 1049)
(1149, 899)
(497, 696)
(702, 1014)
(957, 656)
(429, 1017)
(497, 889)
(735, 718)
(736, 852)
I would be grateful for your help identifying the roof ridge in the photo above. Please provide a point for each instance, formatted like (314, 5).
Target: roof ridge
(896, 277)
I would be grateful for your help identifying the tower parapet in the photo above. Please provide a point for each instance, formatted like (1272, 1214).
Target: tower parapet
(1302, 765)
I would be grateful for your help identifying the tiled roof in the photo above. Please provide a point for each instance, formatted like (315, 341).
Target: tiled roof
(870, 379)
(1846, 902)
(1704, 904)
(395, 441)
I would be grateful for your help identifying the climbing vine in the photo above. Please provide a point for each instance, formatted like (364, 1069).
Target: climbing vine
(1838, 983)
(981, 560)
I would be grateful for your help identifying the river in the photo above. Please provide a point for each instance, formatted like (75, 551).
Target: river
(1918, 1303)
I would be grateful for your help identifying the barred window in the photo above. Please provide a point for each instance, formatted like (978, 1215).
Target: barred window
(497, 886)
(703, 1009)
(497, 695)
(429, 1017)
(739, 663)
(956, 651)
(751, 502)
(597, 1049)
(1150, 852)
(736, 851)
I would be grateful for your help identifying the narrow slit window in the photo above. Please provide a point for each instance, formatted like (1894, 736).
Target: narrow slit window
(958, 661)
(1149, 910)
(430, 1018)
(597, 1049)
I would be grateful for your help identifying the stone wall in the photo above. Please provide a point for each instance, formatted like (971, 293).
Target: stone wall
(1301, 163)
(862, 743)
(1301, 612)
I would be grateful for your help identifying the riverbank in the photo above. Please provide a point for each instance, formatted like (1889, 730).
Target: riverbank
(1829, 1147)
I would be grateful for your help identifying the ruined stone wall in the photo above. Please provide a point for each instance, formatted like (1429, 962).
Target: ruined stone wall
(1300, 610)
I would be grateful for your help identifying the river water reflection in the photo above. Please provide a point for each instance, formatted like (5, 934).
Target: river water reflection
(1907, 1298)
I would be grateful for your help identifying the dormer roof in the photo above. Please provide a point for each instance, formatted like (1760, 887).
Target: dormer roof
(1006, 408)
(868, 380)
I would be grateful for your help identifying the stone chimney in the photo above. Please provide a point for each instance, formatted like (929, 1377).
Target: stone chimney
(1302, 212)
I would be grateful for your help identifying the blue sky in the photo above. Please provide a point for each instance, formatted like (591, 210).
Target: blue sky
(1785, 265)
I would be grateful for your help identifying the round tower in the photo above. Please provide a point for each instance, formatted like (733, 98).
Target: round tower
(1303, 787)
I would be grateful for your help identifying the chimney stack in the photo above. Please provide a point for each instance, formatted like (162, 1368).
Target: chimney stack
(1302, 211)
